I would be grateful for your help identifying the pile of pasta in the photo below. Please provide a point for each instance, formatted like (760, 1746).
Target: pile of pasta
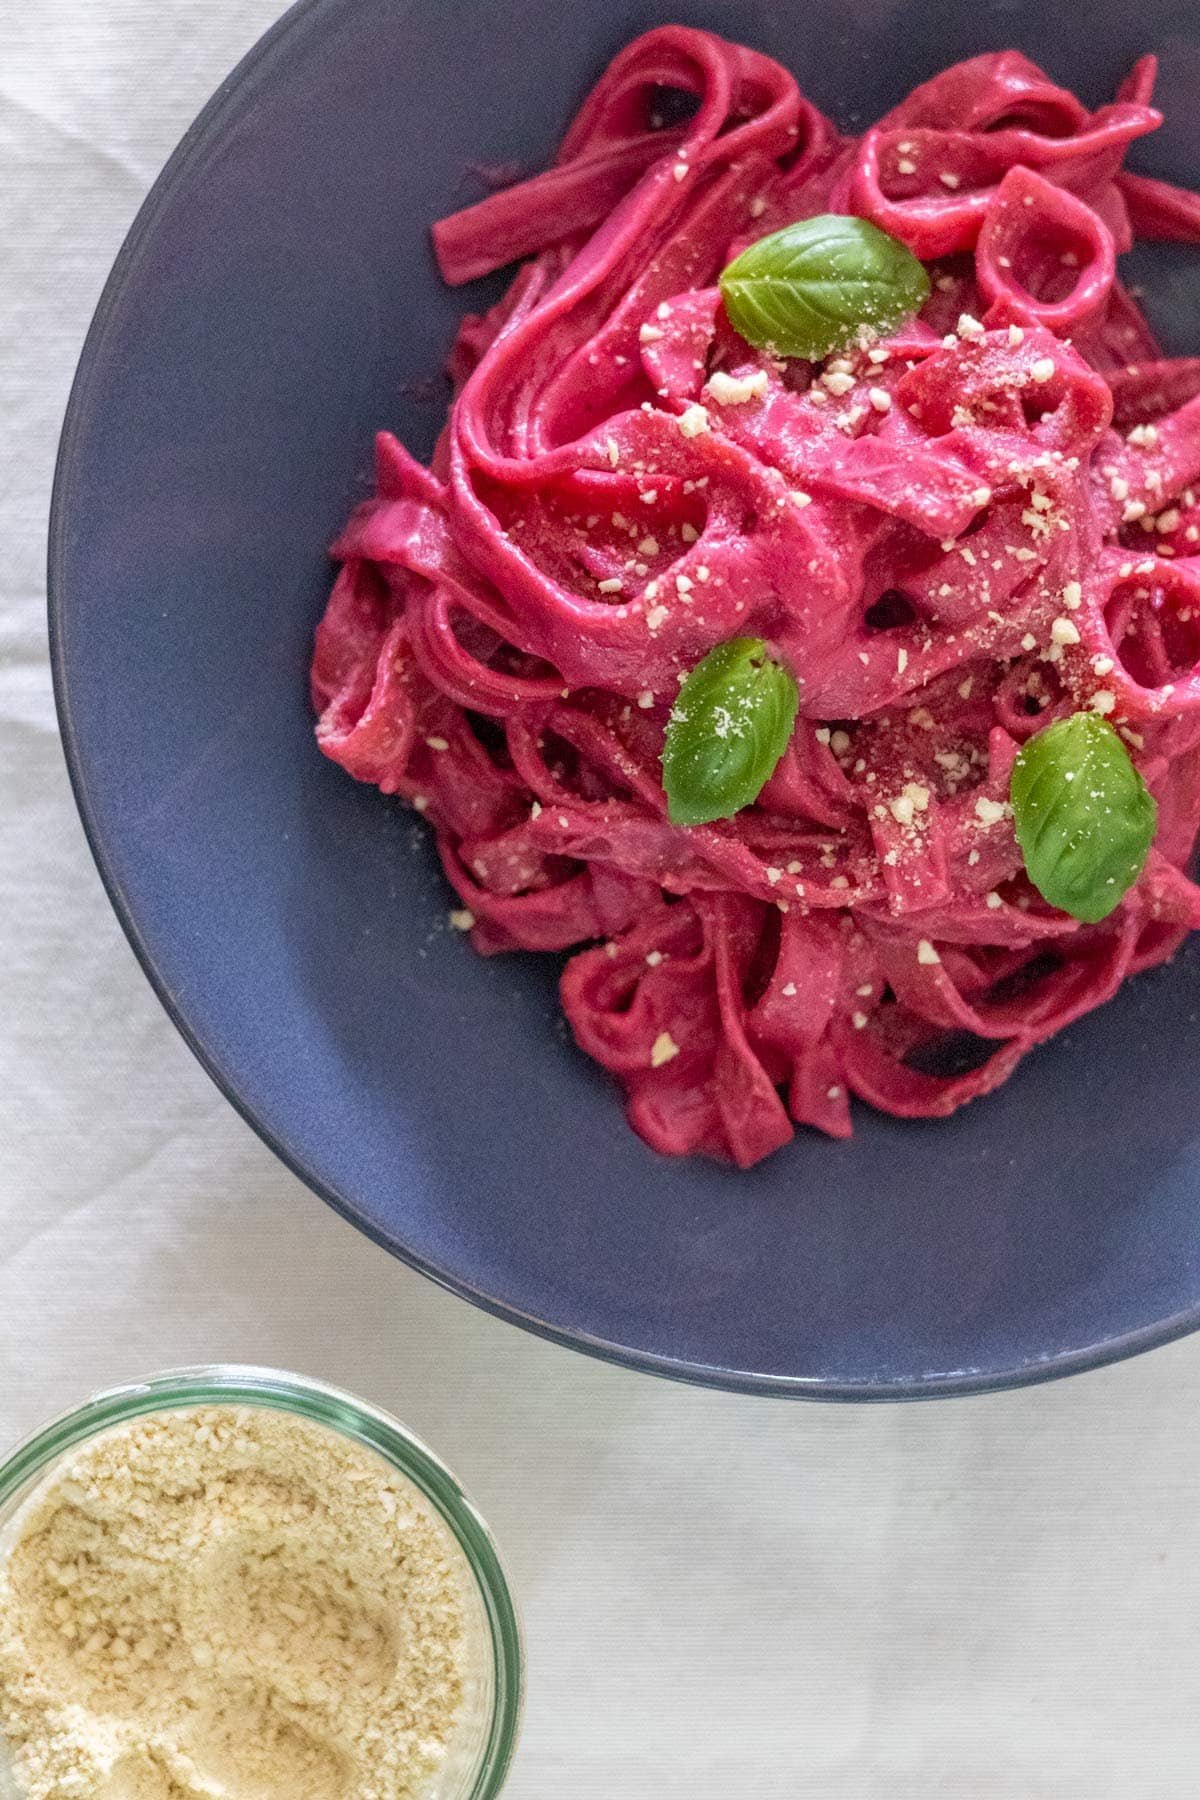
(951, 535)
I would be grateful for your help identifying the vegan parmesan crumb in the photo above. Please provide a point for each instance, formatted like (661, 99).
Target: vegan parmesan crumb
(736, 390)
(838, 382)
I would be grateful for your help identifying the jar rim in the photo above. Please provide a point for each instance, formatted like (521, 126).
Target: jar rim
(245, 1384)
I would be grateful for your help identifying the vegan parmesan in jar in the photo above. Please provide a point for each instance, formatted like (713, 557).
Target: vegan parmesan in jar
(229, 1600)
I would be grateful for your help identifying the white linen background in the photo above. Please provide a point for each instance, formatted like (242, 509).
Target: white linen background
(991, 1599)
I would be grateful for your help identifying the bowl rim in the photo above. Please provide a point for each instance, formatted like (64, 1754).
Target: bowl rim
(922, 1386)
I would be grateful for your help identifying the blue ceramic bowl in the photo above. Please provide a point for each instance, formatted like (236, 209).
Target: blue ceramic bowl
(275, 303)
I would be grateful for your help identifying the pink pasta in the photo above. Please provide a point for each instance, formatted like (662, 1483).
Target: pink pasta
(951, 537)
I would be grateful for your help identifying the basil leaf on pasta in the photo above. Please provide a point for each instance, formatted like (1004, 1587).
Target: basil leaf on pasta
(728, 729)
(1084, 817)
(808, 290)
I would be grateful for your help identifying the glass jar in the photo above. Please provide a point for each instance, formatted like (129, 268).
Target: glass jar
(482, 1753)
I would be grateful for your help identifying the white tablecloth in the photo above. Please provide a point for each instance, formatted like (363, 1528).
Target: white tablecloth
(993, 1599)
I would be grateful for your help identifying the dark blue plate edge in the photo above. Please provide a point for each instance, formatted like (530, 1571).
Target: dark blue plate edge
(935, 1385)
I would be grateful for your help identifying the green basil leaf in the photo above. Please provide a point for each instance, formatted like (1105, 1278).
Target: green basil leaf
(806, 290)
(728, 728)
(1084, 817)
